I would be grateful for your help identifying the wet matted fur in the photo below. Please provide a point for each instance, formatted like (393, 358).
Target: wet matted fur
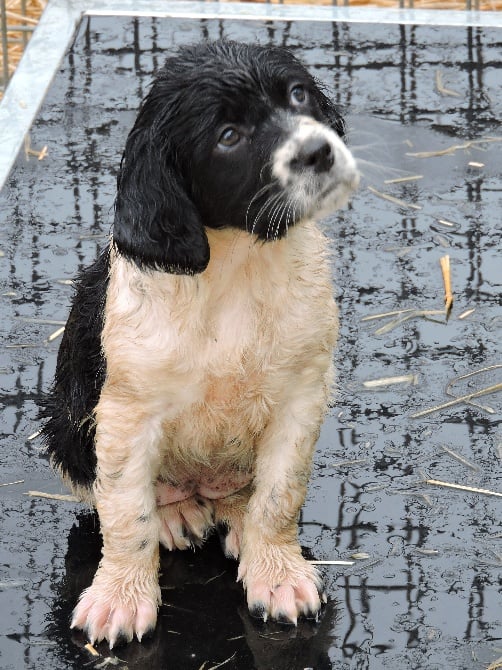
(196, 363)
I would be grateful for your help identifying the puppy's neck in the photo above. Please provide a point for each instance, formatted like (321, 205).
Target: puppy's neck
(238, 258)
(230, 248)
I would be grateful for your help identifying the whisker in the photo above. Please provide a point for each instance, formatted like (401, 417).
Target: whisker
(255, 197)
(275, 215)
(269, 203)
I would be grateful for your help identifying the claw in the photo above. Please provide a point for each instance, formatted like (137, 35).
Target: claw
(258, 611)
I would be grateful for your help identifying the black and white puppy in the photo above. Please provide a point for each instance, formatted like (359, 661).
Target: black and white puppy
(196, 364)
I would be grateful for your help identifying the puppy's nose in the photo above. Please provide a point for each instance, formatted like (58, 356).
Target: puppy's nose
(315, 154)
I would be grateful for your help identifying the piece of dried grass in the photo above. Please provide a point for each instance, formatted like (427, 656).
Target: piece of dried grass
(448, 295)
(454, 148)
(391, 198)
(331, 562)
(52, 496)
(402, 180)
(462, 487)
(488, 368)
(441, 87)
(460, 458)
(470, 396)
(389, 381)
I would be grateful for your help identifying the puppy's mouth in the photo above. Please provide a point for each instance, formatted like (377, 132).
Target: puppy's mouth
(314, 173)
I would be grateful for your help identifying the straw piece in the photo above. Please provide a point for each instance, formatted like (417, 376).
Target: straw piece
(19, 481)
(448, 295)
(402, 180)
(461, 487)
(28, 151)
(27, 345)
(411, 315)
(442, 89)
(460, 458)
(465, 314)
(52, 496)
(387, 381)
(46, 322)
(56, 334)
(384, 315)
(19, 17)
(449, 392)
(218, 665)
(391, 198)
(331, 562)
(456, 401)
(453, 148)
(88, 647)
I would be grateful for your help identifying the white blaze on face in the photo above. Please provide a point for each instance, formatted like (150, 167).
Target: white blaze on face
(315, 192)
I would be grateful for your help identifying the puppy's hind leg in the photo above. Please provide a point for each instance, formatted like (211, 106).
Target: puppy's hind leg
(185, 524)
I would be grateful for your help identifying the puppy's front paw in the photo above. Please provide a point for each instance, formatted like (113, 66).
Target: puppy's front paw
(282, 585)
(118, 610)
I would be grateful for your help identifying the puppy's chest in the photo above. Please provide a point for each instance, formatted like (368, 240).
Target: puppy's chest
(234, 380)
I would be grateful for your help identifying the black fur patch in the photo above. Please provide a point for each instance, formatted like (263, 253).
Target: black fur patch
(80, 372)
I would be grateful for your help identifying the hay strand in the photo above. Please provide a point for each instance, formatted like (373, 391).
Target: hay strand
(389, 381)
(391, 198)
(456, 401)
(462, 487)
(52, 496)
(488, 368)
(465, 146)
(448, 295)
(331, 562)
(442, 89)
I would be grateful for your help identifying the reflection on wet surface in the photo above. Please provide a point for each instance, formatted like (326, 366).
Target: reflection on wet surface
(423, 589)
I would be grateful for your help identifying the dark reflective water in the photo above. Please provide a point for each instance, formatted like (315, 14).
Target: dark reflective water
(427, 595)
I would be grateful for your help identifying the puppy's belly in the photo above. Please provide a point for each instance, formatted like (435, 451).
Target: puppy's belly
(210, 486)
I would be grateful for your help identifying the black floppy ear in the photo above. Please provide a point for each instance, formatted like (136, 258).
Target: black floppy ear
(156, 223)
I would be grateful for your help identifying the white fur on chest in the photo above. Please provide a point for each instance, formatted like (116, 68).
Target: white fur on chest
(213, 354)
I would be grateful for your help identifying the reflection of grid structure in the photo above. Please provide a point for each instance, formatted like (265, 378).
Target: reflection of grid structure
(18, 19)
(56, 214)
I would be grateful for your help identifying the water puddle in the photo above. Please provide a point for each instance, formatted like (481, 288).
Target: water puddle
(421, 586)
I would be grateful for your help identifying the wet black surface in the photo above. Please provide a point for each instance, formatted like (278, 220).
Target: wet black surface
(428, 594)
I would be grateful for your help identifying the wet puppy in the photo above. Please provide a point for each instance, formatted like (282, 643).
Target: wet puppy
(196, 363)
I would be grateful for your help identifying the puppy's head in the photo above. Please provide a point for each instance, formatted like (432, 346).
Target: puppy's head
(230, 135)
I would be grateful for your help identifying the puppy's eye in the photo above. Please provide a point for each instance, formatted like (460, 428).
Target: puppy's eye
(298, 96)
(229, 137)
